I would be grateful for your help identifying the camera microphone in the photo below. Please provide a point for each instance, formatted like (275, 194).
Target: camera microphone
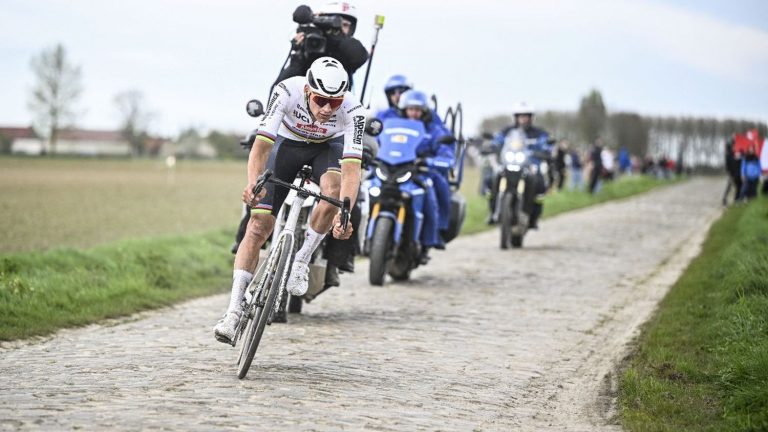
(303, 15)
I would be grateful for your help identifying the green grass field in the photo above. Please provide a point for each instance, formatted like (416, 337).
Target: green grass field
(84, 240)
(702, 361)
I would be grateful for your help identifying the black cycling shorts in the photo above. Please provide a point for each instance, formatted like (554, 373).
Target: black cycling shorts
(286, 160)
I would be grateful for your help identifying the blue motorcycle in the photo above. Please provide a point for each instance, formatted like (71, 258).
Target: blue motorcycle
(397, 197)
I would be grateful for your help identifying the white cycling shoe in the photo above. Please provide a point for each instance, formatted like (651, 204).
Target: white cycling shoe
(298, 280)
(224, 331)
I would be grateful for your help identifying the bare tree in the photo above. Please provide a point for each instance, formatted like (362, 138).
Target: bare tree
(57, 89)
(135, 119)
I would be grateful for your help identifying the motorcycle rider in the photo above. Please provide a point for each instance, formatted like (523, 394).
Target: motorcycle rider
(438, 155)
(310, 120)
(396, 85)
(540, 148)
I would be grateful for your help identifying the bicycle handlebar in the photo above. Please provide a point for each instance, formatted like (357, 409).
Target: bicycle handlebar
(266, 177)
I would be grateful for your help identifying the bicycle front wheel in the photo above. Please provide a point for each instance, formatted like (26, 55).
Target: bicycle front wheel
(261, 316)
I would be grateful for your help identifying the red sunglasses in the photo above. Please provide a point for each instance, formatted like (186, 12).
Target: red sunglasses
(322, 101)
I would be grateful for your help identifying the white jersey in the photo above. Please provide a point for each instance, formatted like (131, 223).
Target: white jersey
(288, 116)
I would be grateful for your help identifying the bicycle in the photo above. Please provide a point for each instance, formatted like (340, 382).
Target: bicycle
(266, 290)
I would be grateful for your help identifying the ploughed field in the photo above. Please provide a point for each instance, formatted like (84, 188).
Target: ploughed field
(47, 203)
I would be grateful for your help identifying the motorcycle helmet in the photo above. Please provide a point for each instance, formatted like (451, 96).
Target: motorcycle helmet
(327, 77)
(345, 10)
(414, 98)
(521, 108)
(397, 82)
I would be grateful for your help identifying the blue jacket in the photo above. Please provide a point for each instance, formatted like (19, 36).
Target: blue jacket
(436, 155)
(537, 139)
(750, 168)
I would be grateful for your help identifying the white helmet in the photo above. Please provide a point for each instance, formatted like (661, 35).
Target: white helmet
(343, 9)
(521, 108)
(327, 77)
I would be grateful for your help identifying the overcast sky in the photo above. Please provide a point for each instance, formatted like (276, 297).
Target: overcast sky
(198, 61)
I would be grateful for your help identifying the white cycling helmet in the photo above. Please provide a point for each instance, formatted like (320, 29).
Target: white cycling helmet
(521, 108)
(327, 77)
(343, 9)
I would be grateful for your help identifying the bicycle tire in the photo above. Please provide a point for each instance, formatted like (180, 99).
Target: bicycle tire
(259, 321)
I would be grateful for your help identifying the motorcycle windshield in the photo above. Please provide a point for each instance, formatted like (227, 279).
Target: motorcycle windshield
(514, 141)
(399, 139)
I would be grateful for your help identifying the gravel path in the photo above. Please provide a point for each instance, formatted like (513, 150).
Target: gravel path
(480, 339)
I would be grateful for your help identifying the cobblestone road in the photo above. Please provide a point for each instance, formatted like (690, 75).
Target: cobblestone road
(481, 339)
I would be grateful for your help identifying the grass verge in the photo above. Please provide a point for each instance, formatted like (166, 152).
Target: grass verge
(702, 362)
(563, 201)
(42, 292)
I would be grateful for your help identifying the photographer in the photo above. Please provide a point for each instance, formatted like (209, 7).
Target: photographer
(328, 32)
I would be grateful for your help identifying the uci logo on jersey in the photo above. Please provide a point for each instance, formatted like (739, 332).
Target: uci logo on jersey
(301, 117)
(400, 139)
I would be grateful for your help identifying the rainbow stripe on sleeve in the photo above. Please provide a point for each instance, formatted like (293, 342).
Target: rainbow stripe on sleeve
(352, 158)
(266, 137)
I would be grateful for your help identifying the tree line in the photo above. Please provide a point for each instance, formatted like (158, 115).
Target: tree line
(698, 141)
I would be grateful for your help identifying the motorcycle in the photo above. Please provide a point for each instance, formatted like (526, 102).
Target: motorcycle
(520, 174)
(396, 197)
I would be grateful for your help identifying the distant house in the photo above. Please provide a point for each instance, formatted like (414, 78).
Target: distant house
(80, 142)
(22, 140)
(92, 143)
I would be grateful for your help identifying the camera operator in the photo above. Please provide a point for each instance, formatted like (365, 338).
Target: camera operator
(328, 32)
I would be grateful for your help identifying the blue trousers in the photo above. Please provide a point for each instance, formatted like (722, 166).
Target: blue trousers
(430, 231)
(443, 194)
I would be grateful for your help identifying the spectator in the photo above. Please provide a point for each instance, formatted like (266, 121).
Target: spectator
(576, 170)
(560, 154)
(750, 174)
(596, 161)
(608, 164)
(625, 162)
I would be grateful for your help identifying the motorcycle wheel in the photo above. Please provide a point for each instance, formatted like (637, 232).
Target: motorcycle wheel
(380, 245)
(400, 269)
(506, 220)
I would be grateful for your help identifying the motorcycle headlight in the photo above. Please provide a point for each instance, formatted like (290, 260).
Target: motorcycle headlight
(404, 178)
(380, 174)
(374, 191)
(515, 157)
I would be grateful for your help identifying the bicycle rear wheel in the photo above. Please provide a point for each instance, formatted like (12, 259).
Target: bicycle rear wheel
(257, 324)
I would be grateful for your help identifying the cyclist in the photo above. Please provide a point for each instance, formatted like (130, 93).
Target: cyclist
(310, 120)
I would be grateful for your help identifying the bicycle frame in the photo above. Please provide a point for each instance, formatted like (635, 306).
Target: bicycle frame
(286, 238)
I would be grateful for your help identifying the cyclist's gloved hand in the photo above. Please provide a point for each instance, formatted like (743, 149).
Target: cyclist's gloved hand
(337, 229)
(249, 198)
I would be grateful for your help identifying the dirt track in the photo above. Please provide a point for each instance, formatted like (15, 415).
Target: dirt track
(481, 339)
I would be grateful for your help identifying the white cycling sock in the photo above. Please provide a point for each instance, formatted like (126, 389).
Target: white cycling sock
(312, 240)
(240, 281)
